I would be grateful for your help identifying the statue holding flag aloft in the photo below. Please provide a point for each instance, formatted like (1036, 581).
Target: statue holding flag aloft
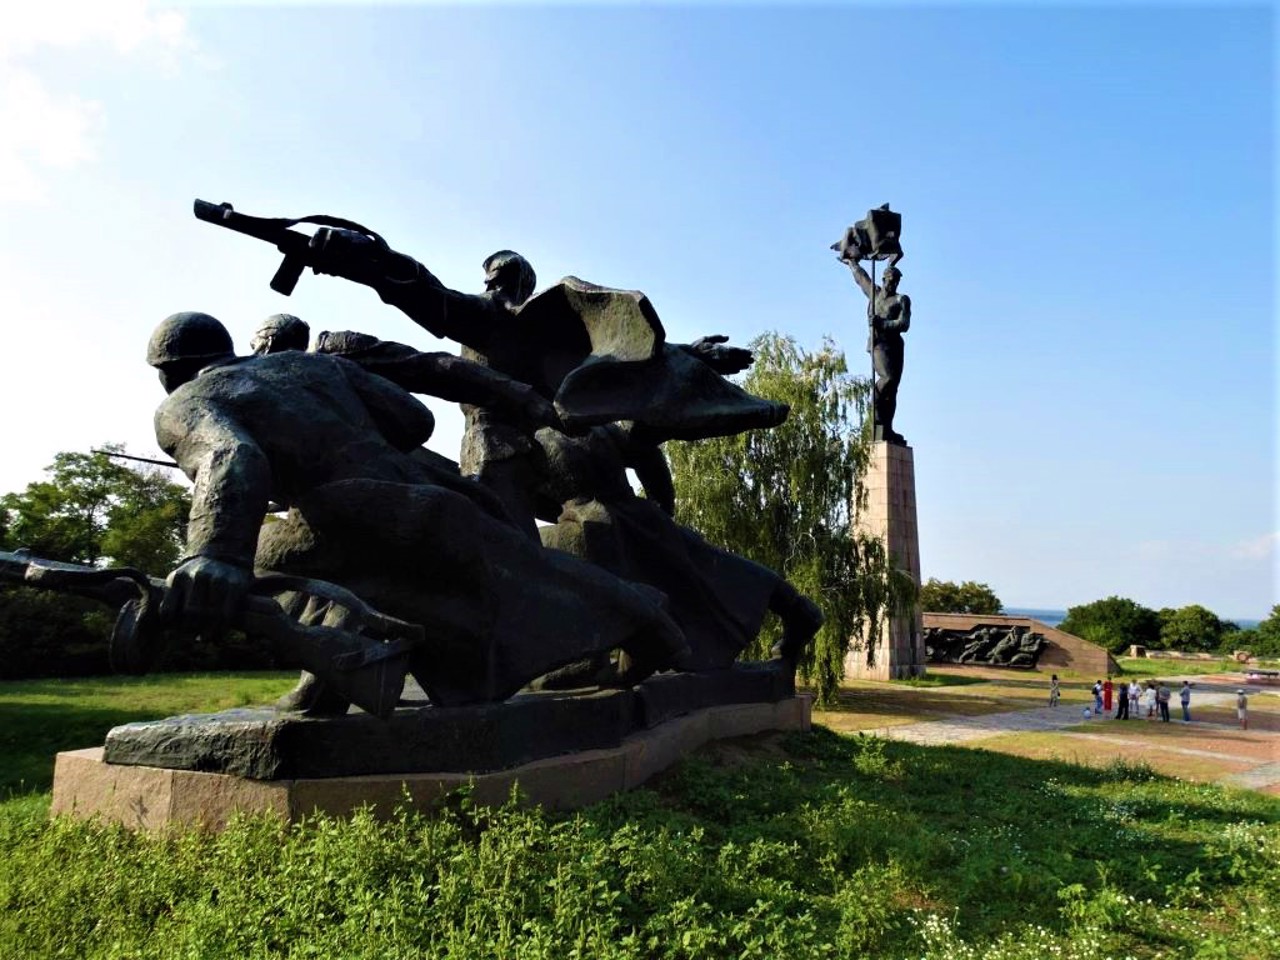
(888, 312)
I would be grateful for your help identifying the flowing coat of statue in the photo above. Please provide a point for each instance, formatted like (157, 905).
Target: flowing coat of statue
(332, 443)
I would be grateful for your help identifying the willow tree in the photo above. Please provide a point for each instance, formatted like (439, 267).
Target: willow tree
(788, 498)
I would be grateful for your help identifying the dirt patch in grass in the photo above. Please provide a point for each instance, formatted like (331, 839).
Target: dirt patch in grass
(1206, 732)
(1093, 753)
(1259, 719)
(1249, 744)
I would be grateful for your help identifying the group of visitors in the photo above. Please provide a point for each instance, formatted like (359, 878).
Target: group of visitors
(1130, 700)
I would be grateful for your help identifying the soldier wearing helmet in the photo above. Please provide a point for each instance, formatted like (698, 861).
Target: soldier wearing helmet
(184, 344)
(280, 331)
(332, 442)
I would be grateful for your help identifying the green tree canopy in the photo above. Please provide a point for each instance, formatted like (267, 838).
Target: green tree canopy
(946, 596)
(1193, 628)
(1263, 641)
(92, 508)
(1114, 623)
(785, 498)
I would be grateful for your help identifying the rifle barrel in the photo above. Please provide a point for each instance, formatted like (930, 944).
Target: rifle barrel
(129, 456)
(273, 231)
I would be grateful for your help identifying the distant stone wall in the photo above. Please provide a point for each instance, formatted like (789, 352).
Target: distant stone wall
(1062, 651)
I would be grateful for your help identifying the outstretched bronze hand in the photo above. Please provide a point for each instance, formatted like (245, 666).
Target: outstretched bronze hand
(723, 359)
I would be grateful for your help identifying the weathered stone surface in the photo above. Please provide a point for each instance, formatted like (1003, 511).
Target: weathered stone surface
(265, 745)
(674, 694)
(897, 651)
(262, 744)
(240, 741)
(149, 798)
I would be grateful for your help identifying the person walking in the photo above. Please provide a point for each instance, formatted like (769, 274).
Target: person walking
(1163, 696)
(1184, 695)
(1242, 709)
(1055, 691)
(1122, 701)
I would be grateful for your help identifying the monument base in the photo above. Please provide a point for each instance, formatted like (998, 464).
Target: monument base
(896, 650)
(152, 798)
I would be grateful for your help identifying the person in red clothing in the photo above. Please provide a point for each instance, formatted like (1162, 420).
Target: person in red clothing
(1107, 690)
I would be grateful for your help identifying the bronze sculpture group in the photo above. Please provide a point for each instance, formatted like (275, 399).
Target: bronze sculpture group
(562, 392)
(392, 558)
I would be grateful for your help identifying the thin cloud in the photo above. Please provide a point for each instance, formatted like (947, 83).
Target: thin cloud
(127, 27)
(51, 129)
(1259, 548)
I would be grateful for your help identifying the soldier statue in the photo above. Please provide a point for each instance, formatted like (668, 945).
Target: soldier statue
(888, 311)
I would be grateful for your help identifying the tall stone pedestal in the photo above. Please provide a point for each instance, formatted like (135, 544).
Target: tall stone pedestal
(897, 649)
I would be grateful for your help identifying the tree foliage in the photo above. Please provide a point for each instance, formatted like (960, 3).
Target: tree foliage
(786, 498)
(1262, 641)
(92, 508)
(1269, 634)
(1114, 623)
(1193, 628)
(946, 596)
(89, 509)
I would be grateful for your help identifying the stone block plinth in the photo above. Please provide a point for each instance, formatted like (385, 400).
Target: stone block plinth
(896, 649)
(153, 798)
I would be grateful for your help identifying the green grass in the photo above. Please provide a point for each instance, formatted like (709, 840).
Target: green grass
(40, 717)
(1170, 667)
(804, 845)
(941, 680)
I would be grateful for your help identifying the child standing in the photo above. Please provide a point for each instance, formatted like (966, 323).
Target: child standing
(1055, 691)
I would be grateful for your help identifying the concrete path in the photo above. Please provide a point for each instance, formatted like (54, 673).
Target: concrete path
(961, 729)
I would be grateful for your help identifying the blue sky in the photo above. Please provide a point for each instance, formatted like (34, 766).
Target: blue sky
(1089, 219)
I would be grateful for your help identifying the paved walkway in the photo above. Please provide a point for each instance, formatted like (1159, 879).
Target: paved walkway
(961, 729)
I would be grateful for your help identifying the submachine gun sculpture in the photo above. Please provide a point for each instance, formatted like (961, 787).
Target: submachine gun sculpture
(300, 250)
(366, 664)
